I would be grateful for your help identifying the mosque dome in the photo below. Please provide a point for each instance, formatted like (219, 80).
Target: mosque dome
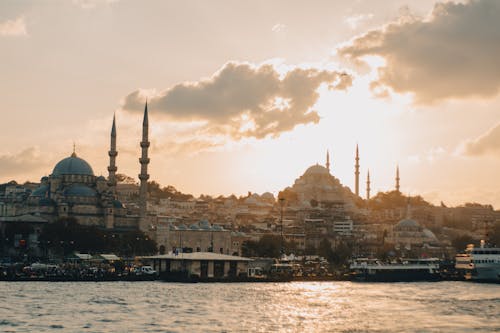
(118, 204)
(41, 191)
(317, 170)
(429, 235)
(72, 165)
(80, 191)
(408, 223)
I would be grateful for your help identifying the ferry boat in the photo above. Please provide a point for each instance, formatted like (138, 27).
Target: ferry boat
(408, 270)
(485, 264)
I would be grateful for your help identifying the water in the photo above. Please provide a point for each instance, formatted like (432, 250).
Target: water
(249, 307)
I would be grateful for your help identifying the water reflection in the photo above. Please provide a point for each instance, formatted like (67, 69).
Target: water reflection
(285, 307)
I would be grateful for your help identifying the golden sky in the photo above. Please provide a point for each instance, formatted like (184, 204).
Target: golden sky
(244, 96)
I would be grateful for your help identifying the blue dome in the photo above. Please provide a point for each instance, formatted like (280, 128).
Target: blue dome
(205, 225)
(117, 204)
(408, 223)
(72, 165)
(41, 191)
(80, 191)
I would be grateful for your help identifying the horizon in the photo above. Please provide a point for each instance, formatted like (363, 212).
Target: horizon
(237, 107)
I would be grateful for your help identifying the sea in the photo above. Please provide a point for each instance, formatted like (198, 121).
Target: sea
(249, 307)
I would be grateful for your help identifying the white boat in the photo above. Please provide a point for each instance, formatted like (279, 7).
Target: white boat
(363, 269)
(485, 264)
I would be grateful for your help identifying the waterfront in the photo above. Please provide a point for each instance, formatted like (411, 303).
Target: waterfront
(249, 307)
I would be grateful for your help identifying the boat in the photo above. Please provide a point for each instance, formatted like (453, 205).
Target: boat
(484, 263)
(463, 263)
(406, 270)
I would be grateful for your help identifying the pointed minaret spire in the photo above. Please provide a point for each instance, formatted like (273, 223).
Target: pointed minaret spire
(112, 157)
(356, 172)
(328, 161)
(368, 186)
(397, 178)
(74, 150)
(145, 121)
(144, 176)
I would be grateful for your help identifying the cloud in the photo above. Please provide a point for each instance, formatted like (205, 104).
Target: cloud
(485, 144)
(25, 161)
(453, 53)
(278, 27)
(91, 4)
(16, 27)
(356, 20)
(242, 100)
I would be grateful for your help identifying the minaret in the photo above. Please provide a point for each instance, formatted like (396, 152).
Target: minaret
(408, 208)
(112, 158)
(368, 186)
(143, 176)
(397, 178)
(356, 173)
(328, 161)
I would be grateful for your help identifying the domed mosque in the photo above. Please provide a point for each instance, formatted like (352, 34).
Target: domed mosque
(73, 190)
(409, 232)
(317, 183)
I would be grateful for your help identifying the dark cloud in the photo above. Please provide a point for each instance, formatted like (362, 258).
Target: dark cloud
(485, 144)
(242, 100)
(454, 53)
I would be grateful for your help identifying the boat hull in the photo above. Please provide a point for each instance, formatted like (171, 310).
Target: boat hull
(396, 276)
(486, 273)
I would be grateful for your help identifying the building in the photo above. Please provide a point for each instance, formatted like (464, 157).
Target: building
(408, 233)
(73, 190)
(199, 266)
(198, 237)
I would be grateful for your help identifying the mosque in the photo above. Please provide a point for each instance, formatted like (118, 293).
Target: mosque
(73, 190)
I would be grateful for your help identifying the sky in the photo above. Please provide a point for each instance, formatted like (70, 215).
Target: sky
(245, 96)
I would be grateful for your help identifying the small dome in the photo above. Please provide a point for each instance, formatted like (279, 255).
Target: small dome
(41, 191)
(316, 170)
(217, 227)
(429, 234)
(406, 223)
(267, 196)
(117, 204)
(80, 191)
(194, 227)
(72, 165)
(205, 225)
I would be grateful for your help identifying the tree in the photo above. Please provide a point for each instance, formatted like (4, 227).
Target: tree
(495, 234)
(269, 246)
(67, 235)
(461, 242)
(325, 249)
(249, 248)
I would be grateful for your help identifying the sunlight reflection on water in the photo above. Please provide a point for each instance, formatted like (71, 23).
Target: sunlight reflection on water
(247, 307)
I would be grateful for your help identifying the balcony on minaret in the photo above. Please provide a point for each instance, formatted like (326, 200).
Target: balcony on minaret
(144, 160)
(112, 153)
(145, 144)
(143, 176)
(112, 168)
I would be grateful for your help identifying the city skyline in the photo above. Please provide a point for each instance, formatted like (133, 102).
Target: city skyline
(237, 107)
